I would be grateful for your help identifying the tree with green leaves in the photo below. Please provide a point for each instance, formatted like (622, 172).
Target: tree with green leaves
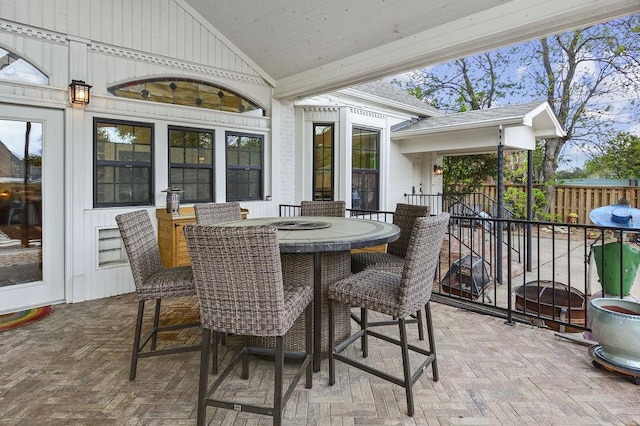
(462, 85)
(618, 159)
(472, 83)
(467, 173)
(581, 73)
(588, 76)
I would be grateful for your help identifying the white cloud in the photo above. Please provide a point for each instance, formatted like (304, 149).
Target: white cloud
(12, 135)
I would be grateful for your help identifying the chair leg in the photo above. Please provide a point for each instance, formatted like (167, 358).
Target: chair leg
(408, 387)
(136, 341)
(204, 375)
(420, 325)
(308, 339)
(364, 321)
(245, 358)
(332, 342)
(363, 342)
(432, 341)
(156, 321)
(214, 352)
(277, 389)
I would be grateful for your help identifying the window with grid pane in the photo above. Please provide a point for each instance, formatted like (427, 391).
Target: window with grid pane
(123, 163)
(365, 168)
(244, 166)
(323, 162)
(191, 163)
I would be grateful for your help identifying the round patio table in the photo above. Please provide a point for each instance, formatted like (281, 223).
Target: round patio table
(317, 249)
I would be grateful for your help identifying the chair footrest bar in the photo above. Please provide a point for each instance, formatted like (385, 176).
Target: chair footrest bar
(355, 336)
(397, 342)
(164, 328)
(295, 380)
(271, 352)
(423, 367)
(389, 322)
(369, 370)
(249, 408)
(178, 326)
(257, 409)
(167, 351)
(411, 320)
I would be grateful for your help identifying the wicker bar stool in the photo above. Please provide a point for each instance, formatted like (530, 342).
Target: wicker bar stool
(398, 295)
(153, 282)
(323, 208)
(213, 213)
(404, 216)
(238, 277)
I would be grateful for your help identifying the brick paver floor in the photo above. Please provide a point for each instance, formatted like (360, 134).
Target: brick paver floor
(72, 368)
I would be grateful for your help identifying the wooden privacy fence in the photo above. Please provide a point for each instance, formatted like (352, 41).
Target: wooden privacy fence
(579, 199)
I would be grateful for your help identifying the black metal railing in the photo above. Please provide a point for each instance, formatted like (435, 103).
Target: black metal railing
(567, 261)
(286, 210)
(468, 211)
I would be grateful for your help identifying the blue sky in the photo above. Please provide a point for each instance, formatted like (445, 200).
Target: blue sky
(573, 154)
(12, 135)
(620, 115)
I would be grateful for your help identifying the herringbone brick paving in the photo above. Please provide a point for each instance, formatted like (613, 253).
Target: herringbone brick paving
(72, 369)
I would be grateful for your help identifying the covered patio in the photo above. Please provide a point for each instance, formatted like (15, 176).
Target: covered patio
(72, 368)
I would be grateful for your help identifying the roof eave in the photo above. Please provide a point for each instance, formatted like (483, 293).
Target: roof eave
(509, 121)
(391, 103)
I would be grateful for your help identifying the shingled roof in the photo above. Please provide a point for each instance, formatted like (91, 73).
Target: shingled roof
(390, 92)
(477, 117)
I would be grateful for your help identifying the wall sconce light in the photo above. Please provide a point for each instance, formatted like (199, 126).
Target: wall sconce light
(437, 169)
(79, 92)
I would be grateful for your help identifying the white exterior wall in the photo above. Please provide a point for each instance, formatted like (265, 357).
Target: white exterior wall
(399, 172)
(106, 42)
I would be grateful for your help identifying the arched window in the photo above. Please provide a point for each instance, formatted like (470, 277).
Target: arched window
(188, 92)
(14, 68)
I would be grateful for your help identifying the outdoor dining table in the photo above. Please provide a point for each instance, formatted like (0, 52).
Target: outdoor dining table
(317, 249)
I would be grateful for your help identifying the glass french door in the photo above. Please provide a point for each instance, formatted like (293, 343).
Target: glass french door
(31, 207)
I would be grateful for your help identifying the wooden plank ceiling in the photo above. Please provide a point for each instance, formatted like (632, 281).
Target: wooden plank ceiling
(306, 47)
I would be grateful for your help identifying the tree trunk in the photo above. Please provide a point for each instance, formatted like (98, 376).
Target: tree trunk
(553, 146)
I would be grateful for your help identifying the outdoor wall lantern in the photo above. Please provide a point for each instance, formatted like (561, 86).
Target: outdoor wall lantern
(79, 92)
(437, 169)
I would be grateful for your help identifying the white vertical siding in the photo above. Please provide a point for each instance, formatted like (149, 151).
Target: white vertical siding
(160, 27)
(106, 42)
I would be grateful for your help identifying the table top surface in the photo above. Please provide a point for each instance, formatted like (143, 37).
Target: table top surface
(298, 235)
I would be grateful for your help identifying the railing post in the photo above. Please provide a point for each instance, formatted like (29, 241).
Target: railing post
(529, 207)
(499, 223)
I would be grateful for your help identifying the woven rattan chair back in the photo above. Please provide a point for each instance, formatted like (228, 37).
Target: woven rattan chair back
(214, 213)
(141, 245)
(238, 278)
(405, 217)
(323, 208)
(153, 282)
(421, 261)
(397, 295)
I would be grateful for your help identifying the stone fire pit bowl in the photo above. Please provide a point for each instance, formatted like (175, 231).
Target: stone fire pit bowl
(615, 325)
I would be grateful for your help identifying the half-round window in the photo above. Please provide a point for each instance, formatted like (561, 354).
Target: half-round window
(14, 68)
(186, 92)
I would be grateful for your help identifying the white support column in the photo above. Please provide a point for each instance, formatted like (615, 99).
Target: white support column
(78, 192)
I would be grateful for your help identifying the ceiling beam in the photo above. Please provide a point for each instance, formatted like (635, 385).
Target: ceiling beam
(512, 22)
